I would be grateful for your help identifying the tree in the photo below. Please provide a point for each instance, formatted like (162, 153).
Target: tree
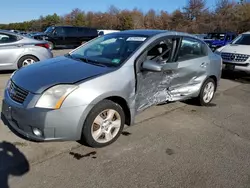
(195, 17)
(194, 9)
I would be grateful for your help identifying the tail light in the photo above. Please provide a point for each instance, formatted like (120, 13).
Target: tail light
(45, 45)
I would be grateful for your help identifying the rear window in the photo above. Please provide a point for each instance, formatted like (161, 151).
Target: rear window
(87, 31)
(7, 38)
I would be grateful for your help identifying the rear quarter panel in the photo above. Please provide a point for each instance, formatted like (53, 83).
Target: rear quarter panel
(40, 53)
(215, 67)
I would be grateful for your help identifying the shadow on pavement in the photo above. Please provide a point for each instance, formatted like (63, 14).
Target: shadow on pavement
(238, 76)
(12, 162)
(6, 71)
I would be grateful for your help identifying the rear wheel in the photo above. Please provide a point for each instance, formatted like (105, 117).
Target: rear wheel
(103, 124)
(207, 92)
(26, 60)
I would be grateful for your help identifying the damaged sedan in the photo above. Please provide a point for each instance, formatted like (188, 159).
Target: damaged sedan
(92, 92)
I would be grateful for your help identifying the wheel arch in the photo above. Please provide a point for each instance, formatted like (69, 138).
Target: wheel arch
(26, 55)
(215, 80)
(123, 103)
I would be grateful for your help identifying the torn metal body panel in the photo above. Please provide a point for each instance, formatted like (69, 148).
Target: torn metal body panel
(152, 89)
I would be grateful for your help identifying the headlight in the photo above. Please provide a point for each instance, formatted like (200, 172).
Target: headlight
(54, 96)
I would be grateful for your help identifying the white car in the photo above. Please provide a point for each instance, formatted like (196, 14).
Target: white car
(236, 55)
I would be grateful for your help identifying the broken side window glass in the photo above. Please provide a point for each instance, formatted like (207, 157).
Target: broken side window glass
(161, 51)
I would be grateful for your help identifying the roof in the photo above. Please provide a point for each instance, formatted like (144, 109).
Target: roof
(248, 33)
(8, 32)
(152, 32)
(146, 32)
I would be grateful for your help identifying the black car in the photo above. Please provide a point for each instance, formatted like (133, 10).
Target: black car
(62, 36)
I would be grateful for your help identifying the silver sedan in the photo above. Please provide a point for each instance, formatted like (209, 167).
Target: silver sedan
(17, 51)
(91, 92)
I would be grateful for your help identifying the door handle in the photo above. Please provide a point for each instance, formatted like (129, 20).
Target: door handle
(203, 65)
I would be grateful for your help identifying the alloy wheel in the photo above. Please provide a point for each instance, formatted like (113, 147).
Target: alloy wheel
(106, 126)
(208, 92)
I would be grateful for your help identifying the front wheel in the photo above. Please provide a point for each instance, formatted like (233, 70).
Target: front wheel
(103, 124)
(207, 92)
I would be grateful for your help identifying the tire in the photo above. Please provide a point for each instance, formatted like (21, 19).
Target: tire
(26, 60)
(201, 100)
(98, 135)
(51, 45)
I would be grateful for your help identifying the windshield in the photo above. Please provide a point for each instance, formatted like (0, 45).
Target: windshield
(242, 40)
(216, 36)
(49, 30)
(109, 50)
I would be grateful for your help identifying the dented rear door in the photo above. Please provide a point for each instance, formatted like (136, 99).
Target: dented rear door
(193, 66)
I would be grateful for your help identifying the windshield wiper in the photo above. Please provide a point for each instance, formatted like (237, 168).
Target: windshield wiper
(93, 62)
(86, 60)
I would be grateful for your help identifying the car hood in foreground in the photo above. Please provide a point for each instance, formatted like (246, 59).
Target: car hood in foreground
(60, 70)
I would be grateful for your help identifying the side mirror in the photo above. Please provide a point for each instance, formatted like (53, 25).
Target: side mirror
(151, 66)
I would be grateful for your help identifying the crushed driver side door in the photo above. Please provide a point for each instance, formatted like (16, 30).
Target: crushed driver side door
(152, 87)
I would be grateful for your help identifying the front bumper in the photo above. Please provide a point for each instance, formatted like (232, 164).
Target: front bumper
(56, 125)
(236, 66)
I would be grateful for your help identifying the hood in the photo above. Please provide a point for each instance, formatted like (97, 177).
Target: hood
(60, 70)
(235, 48)
(213, 42)
(39, 34)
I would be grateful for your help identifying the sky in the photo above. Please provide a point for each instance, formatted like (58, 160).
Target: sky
(18, 11)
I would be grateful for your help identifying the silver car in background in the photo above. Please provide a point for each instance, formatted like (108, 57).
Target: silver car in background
(90, 93)
(17, 50)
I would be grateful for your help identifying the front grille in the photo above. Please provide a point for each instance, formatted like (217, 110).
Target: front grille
(234, 57)
(16, 93)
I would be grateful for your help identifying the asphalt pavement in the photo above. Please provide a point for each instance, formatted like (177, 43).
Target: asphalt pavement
(172, 145)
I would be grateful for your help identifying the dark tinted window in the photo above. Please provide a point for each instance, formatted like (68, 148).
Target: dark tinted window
(216, 36)
(87, 31)
(70, 30)
(242, 40)
(82, 30)
(59, 31)
(7, 38)
(191, 49)
(49, 30)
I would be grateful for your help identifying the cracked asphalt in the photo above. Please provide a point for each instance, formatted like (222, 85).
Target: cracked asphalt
(189, 146)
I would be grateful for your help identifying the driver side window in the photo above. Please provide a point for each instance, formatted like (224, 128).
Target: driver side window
(161, 52)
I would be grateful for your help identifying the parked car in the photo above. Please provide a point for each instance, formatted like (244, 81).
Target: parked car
(63, 36)
(17, 51)
(91, 92)
(104, 32)
(237, 54)
(32, 34)
(201, 36)
(217, 40)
